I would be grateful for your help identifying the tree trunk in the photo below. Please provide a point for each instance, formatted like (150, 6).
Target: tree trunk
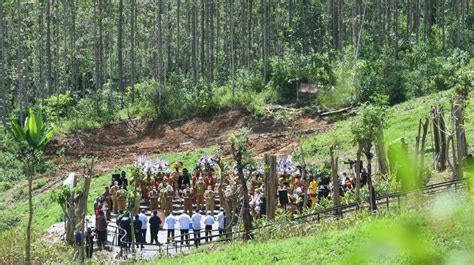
(359, 34)
(266, 33)
(85, 196)
(422, 152)
(335, 182)
(3, 90)
(461, 142)
(48, 47)
(358, 169)
(19, 59)
(223, 200)
(96, 58)
(159, 58)
(29, 172)
(245, 211)
(119, 52)
(71, 219)
(132, 48)
(380, 152)
(232, 49)
(372, 195)
(270, 186)
(443, 31)
(443, 148)
(439, 135)
(194, 43)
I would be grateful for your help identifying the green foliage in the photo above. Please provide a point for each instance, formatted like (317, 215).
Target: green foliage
(60, 195)
(12, 250)
(370, 120)
(440, 235)
(239, 144)
(421, 70)
(62, 103)
(341, 94)
(291, 67)
(34, 134)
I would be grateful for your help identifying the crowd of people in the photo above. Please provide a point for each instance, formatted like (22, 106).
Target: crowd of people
(179, 198)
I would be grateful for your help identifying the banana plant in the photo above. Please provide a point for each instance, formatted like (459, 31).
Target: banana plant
(32, 139)
(33, 134)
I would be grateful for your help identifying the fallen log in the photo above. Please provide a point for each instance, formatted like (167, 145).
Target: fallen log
(333, 112)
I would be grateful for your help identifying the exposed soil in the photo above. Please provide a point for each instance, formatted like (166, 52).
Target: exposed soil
(120, 143)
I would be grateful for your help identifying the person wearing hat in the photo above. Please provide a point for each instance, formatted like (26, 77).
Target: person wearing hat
(186, 179)
(169, 199)
(210, 196)
(121, 198)
(201, 188)
(209, 180)
(154, 199)
(208, 222)
(188, 204)
(113, 192)
(177, 178)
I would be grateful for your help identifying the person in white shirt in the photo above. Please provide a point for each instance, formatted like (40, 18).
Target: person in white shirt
(221, 221)
(144, 219)
(196, 220)
(208, 222)
(184, 221)
(170, 222)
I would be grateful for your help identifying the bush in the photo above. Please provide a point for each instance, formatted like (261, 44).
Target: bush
(57, 106)
(4, 186)
(341, 94)
(287, 69)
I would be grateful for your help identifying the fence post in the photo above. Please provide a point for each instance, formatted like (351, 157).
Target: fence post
(270, 185)
(388, 206)
(398, 199)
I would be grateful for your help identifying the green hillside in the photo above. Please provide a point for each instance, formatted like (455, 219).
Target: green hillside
(402, 122)
(443, 234)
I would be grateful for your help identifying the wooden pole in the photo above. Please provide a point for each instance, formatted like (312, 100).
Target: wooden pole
(270, 185)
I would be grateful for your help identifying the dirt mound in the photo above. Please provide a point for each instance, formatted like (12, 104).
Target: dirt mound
(120, 143)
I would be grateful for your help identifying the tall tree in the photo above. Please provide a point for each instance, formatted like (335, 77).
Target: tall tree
(4, 92)
(159, 56)
(32, 139)
(120, 52)
(132, 49)
(232, 49)
(266, 36)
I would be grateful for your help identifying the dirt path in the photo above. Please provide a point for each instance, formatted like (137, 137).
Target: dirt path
(117, 145)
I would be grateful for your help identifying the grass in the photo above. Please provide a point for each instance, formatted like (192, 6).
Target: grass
(403, 122)
(440, 235)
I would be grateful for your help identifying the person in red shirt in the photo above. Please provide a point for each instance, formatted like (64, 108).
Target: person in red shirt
(209, 180)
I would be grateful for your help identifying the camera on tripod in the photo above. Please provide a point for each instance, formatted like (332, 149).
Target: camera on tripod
(352, 164)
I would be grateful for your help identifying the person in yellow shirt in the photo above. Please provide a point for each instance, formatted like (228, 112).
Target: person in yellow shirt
(313, 190)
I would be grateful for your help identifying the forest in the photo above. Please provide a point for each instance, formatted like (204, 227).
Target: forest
(171, 58)
(117, 79)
